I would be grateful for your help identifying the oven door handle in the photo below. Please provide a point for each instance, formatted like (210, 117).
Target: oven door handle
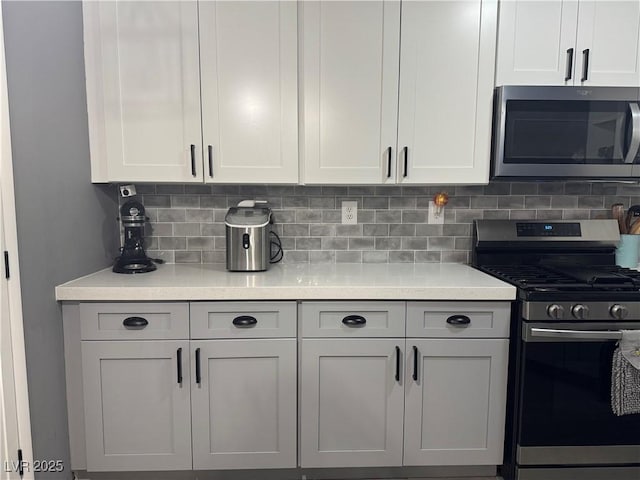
(577, 334)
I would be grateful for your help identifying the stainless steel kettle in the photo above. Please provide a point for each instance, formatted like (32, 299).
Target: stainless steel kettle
(248, 231)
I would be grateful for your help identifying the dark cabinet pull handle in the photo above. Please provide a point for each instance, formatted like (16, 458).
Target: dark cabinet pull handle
(415, 363)
(210, 151)
(389, 152)
(133, 323)
(354, 321)
(405, 152)
(569, 72)
(397, 364)
(585, 65)
(193, 160)
(245, 321)
(459, 320)
(180, 365)
(198, 377)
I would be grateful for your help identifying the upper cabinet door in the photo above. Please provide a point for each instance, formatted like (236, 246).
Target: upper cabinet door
(143, 91)
(608, 43)
(446, 88)
(536, 42)
(350, 91)
(249, 91)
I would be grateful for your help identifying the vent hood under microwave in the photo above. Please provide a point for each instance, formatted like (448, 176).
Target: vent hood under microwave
(549, 132)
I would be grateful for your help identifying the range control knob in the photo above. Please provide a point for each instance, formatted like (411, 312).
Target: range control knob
(555, 311)
(580, 312)
(619, 312)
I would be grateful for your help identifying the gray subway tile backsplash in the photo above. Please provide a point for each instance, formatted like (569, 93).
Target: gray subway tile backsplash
(186, 222)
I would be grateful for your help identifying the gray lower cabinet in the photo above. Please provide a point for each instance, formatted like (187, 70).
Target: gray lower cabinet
(177, 386)
(243, 402)
(455, 401)
(456, 376)
(223, 385)
(351, 402)
(136, 405)
(351, 386)
(435, 398)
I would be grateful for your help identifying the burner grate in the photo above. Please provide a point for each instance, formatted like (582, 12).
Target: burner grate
(567, 278)
(525, 276)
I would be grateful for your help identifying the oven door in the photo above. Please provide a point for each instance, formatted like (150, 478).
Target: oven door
(565, 415)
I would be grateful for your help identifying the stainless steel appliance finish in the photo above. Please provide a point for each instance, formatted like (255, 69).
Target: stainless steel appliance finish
(573, 304)
(582, 231)
(569, 311)
(566, 132)
(248, 241)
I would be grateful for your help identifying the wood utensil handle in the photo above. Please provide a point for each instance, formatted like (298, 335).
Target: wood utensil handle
(617, 211)
(635, 228)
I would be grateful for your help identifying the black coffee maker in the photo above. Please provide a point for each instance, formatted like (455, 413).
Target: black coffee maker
(133, 258)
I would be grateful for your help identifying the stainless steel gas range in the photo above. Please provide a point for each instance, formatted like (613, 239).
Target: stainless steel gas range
(573, 302)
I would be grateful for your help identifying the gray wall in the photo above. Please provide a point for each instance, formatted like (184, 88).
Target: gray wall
(66, 225)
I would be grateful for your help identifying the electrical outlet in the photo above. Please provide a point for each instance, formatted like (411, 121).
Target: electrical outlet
(436, 214)
(349, 212)
(127, 190)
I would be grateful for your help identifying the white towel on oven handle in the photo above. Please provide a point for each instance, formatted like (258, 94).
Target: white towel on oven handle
(630, 347)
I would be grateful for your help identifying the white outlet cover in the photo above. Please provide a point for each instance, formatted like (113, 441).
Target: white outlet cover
(436, 214)
(349, 212)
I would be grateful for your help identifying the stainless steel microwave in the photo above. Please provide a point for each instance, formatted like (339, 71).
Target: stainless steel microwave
(566, 132)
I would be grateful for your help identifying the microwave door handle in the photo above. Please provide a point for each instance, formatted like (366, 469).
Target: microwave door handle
(635, 133)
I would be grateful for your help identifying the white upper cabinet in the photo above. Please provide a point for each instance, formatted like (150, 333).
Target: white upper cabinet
(536, 42)
(146, 66)
(609, 33)
(380, 111)
(249, 91)
(143, 91)
(350, 53)
(569, 42)
(446, 91)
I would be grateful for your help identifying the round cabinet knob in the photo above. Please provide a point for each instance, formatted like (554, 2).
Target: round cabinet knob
(581, 312)
(555, 311)
(619, 312)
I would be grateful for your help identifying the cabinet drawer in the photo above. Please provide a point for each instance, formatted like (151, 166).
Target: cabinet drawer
(458, 319)
(352, 319)
(134, 321)
(243, 319)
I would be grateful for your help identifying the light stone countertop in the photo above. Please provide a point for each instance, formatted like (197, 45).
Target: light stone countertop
(434, 281)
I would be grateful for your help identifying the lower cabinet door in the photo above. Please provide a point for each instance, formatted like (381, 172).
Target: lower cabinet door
(351, 402)
(455, 401)
(136, 402)
(244, 403)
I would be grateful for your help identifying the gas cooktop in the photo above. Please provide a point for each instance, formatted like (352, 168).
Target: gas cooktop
(557, 261)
